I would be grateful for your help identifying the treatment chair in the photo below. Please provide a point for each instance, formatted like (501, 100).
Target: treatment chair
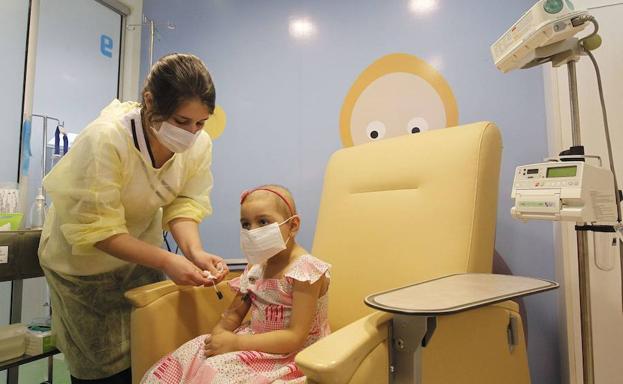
(393, 213)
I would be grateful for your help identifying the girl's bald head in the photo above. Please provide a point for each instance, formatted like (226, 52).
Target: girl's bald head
(280, 195)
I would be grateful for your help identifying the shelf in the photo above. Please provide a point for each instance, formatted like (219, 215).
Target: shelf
(26, 359)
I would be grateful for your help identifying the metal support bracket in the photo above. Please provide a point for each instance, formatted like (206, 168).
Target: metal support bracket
(408, 335)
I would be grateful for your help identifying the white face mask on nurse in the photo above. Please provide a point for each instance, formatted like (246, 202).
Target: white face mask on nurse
(176, 139)
(180, 131)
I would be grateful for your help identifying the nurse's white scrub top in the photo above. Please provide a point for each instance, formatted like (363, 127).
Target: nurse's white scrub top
(107, 184)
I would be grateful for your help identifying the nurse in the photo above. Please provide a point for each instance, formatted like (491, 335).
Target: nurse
(135, 170)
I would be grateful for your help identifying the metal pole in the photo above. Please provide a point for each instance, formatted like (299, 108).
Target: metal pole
(152, 32)
(50, 370)
(43, 147)
(582, 241)
(585, 308)
(17, 287)
(621, 272)
(575, 109)
(406, 349)
(45, 142)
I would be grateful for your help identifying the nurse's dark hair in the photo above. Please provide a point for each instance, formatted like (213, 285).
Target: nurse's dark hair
(175, 79)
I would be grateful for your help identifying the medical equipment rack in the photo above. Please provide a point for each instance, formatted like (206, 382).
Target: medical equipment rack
(22, 262)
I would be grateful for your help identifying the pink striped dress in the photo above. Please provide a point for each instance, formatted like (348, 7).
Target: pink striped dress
(271, 309)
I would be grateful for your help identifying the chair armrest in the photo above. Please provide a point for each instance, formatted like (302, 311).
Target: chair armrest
(336, 357)
(165, 315)
(147, 294)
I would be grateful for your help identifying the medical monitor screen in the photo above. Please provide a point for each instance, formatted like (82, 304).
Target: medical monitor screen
(562, 171)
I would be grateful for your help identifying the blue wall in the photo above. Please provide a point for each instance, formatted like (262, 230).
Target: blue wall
(283, 99)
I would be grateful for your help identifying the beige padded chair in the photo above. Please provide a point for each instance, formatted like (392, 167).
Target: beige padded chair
(393, 213)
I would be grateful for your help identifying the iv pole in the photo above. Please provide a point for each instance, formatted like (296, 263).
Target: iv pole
(569, 52)
(45, 140)
(582, 243)
(40, 198)
(152, 33)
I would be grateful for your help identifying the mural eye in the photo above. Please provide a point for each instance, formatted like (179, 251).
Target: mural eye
(417, 125)
(375, 130)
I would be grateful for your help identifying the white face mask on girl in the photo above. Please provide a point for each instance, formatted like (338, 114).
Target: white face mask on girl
(260, 244)
(175, 138)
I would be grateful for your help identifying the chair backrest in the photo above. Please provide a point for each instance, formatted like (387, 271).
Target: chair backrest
(405, 210)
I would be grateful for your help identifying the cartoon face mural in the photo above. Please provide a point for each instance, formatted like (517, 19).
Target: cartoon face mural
(396, 95)
(215, 125)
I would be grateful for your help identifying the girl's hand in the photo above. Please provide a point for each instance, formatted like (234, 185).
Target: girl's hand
(220, 343)
(212, 263)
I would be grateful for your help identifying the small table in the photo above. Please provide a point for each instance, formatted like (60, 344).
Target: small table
(417, 306)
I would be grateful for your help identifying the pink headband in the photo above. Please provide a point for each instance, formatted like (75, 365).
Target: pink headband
(246, 193)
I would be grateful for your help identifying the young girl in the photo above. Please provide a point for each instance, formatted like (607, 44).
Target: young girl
(283, 286)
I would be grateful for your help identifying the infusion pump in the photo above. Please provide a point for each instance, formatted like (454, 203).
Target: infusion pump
(564, 191)
(546, 23)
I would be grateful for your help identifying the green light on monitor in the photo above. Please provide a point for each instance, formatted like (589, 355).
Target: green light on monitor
(570, 171)
(553, 6)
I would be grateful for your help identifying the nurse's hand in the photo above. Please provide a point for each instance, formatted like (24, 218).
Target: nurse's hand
(184, 272)
(209, 262)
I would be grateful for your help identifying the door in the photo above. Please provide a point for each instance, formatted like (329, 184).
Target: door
(77, 74)
(13, 33)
